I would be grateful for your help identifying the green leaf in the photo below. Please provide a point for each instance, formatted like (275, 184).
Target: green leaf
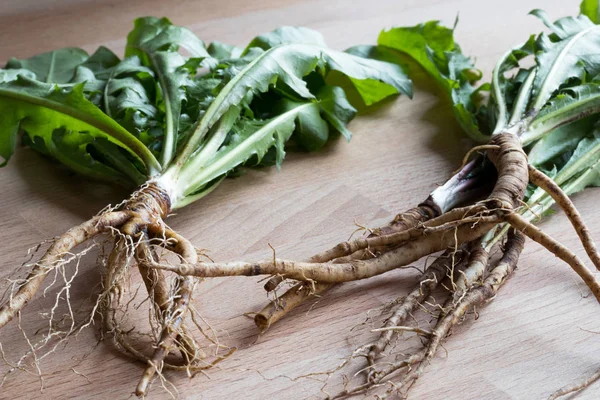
(41, 109)
(157, 42)
(56, 66)
(75, 150)
(248, 138)
(569, 105)
(7, 75)
(220, 108)
(222, 51)
(151, 35)
(127, 93)
(129, 99)
(432, 46)
(336, 108)
(101, 62)
(564, 27)
(64, 67)
(590, 9)
(117, 158)
(370, 90)
(576, 53)
(287, 35)
(240, 140)
(380, 53)
(311, 131)
(200, 93)
(590, 177)
(425, 43)
(560, 141)
(585, 155)
(92, 87)
(508, 90)
(292, 75)
(171, 78)
(580, 170)
(288, 64)
(125, 90)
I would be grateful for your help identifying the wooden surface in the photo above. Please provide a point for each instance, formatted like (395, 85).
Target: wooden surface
(531, 340)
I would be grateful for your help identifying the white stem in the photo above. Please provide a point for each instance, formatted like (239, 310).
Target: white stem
(520, 104)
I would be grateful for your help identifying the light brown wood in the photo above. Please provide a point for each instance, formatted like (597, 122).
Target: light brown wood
(530, 341)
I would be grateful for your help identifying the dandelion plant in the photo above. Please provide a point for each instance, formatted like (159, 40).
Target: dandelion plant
(171, 120)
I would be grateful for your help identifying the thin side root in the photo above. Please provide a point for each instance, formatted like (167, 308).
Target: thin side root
(576, 386)
(390, 234)
(54, 257)
(295, 296)
(475, 297)
(412, 224)
(173, 322)
(155, 283)
(378, 378)
(427, 284)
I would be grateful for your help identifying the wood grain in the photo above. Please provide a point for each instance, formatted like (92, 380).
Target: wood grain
(531, 340)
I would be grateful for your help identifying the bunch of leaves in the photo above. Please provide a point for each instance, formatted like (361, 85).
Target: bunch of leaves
(57, 100)
(183, 114)
(546, 90)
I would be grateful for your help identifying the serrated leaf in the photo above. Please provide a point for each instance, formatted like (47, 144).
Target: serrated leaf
(248, 138)
(117, 158)
(580, 170)
(7, 75)
(590, 177)
(223, 108)
(73, 149)
(128, 98)
(564, 27)
(371, 90)
(151, 35)
(585, 155)
(157, 42)
(92, 86)
(567, 106)
(562, 60)
(288, 64)
(40, 109)
(200, 93)
(287, 35)
(65, 66)
(562, 140)
(101, 62)
(380, 53)
(56, 66)
(506, 90)
(127, 93)
(432, 46)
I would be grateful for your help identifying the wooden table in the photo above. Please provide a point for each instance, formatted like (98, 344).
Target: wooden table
(536, 336)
